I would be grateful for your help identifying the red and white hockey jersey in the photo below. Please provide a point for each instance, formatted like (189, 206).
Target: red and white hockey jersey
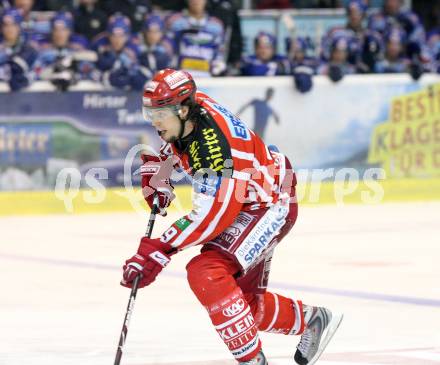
(231, 169)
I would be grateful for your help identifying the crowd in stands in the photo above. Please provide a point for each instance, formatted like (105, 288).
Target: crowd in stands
(123, 43)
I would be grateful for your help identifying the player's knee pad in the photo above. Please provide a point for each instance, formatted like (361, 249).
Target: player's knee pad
(210, 277)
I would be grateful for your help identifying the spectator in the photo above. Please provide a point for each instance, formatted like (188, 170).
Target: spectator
(338, 64)
(301, 51)
(167, 5)
(58, 60)
(155, 51)
(90, 20)
(303, 63)
(135, 10)
(198, 40)
(265, 62)
(227, 12)
(118, 56)
(371, 52)
(35, 27)
(434, 48)
(16, 55)
(353, 32)
(391, 16)
(394, 60)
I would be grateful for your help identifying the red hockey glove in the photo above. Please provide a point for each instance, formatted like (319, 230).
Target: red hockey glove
(156, 172)
(149, 261)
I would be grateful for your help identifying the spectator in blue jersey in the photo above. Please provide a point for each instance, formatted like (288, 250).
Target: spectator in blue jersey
(394, 60)
(35, 26)
(17, 56)
(198, 40)
(434, 48)
(61, 58)
(155, 51)
(393, 15)
(338, 65)
(303, 62)
(353, 31)
(118, 56)
(371, 52)
(90, 19)
(262, 112)
(265, 61)
(135, 10)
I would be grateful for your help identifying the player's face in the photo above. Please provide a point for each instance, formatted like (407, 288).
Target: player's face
(166, 122)
(60, 36)
(10, 32)
(264, 51)
(117, 41)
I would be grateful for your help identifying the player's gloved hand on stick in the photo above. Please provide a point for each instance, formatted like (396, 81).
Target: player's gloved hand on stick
(156, 171)
(152, 256)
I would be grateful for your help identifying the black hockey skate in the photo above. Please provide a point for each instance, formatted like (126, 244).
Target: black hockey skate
(321, 326)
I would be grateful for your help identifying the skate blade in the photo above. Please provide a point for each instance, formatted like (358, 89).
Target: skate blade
(329, 332)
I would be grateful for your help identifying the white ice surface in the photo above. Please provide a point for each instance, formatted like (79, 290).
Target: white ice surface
(61, 304)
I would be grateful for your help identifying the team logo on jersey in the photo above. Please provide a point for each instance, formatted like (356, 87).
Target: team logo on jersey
(176, 79)
(236, 126)
(234, 308)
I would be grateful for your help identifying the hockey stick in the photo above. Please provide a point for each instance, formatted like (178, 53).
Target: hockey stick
(134, 289)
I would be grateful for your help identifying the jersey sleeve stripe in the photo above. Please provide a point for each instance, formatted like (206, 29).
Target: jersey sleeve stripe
(260, 191)
(214, 223)
(242, 155)
(193, 226)
(240, 175)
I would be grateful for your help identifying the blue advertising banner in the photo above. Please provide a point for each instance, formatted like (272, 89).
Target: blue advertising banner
(43, 132)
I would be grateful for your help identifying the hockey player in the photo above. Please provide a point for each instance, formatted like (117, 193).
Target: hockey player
(243, 205)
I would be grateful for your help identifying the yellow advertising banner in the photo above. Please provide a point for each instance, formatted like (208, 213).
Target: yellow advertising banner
(408, 144)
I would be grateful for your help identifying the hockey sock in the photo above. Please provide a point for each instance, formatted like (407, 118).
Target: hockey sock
(281, 315)
(234, 322)
(210, 276)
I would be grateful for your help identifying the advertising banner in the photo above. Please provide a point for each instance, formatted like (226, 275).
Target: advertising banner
(343, 125)
(362, 122)
(44, 132)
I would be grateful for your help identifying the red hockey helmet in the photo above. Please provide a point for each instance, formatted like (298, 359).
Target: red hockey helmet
(168, 87)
